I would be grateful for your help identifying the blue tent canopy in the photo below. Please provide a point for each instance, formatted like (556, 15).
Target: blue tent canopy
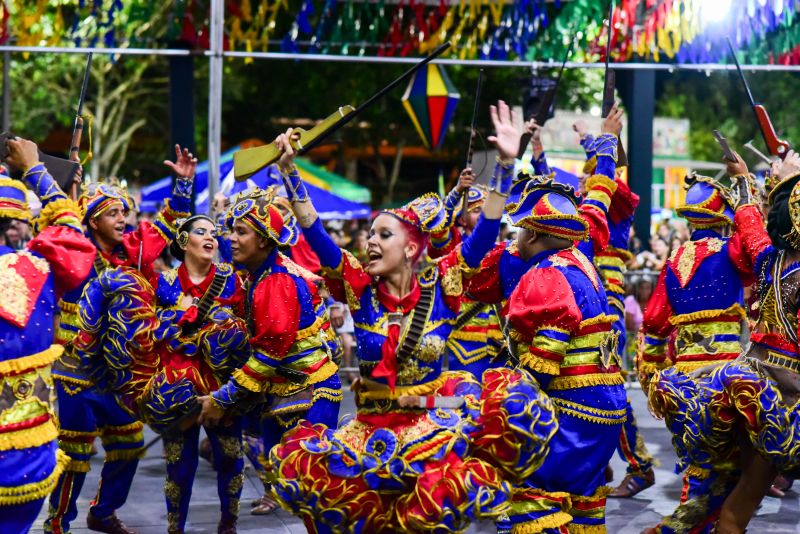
(328, 204)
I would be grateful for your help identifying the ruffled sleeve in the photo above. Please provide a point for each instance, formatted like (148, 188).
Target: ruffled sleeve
(543, 317)
(276, 316)
(656, 328)
(484, 285)
(69, 253)
(751, 243)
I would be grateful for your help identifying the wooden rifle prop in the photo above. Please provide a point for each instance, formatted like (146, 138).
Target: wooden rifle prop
(77, 129)
(545, 105)
(609, 85)
(727, 153)
(251, 160)
(775, 146)
(472, 133)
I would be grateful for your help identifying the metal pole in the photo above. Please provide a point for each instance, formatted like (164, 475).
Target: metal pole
(6, 91)
(215, 97)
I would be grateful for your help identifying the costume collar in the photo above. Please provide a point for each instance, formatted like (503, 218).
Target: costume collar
(393, 303)
(541, 256)
(190, 288)
(705, 232)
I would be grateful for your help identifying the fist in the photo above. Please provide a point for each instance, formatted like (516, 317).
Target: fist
(22, 153)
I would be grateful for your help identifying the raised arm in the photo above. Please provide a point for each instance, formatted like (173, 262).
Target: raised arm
(59, 235)
(539, 158)
(343, 273)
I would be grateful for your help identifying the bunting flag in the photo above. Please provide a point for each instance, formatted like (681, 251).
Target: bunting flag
(667, 31)
(430, 100)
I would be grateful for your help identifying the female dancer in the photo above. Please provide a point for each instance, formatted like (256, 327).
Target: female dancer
(427, 451)
(184, 344)
(742, 417)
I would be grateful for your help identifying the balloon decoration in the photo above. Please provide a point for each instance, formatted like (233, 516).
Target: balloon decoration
(671, 31)
(430, 100)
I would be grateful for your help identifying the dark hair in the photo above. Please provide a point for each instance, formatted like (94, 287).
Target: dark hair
(187, 226)
(779, 221)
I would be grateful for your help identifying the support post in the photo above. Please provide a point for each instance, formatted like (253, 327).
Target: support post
(215, 97)
(637, 89)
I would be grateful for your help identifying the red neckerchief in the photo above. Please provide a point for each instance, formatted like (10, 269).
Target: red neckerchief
(387, 367)
(193, 290)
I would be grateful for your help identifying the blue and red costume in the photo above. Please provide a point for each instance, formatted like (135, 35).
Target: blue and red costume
(561, 331)
(412, 468)
(752, 398)
(55, 261)
(475, 343)
(85, 411)
(293, 344)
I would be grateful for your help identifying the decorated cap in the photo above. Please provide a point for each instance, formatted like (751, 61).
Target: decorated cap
(551, 208)
(13, 199)
(258, 210)
(426, 213)
(97, 197)
(707, 204)
(476, 196)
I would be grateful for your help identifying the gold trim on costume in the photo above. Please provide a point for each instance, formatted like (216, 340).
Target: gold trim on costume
(34, 361)
(35, 490)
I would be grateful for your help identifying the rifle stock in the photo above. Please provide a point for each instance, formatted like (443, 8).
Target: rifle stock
(249, 161)
(775, 146)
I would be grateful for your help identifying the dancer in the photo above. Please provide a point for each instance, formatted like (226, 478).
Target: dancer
(55, 261)
(741, 417)
(476, 341)
(85, 412)
(427, 450)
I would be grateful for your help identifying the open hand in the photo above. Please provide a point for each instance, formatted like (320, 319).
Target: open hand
(185, 163)
(506, 137)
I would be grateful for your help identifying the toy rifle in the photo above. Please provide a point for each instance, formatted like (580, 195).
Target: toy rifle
(775, 146)
(544, 106)
(77, 129)
(609, 85)
(727, 153)
(472, 132)
(249, 161)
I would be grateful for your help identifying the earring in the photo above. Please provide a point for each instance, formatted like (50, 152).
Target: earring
(182, 238)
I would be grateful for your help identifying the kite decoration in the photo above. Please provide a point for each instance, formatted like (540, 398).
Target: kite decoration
(430, 100)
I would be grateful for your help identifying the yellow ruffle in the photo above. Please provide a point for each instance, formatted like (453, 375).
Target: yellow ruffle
(736, 309)
(590, 165)
(600, 319)
(555, 520)
(376, 391)
(582, 381)
(124, 429)
(35, 490)
(67, 434)
(539, 364)
(288, 388)
(34, 361)
(29, 437)
(249, 383)
(595, 415)
(649, 368)
(333, 395)
(78, 466)
(689, 367)
(64, 210)
(575, 528)
(695, 471)
(125, 454)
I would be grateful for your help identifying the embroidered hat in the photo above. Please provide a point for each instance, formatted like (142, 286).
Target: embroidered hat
(707, 204)
(426, 213)
(551, 208)
(476, 196)
(13, 199)
(98, 197)
(258, 209)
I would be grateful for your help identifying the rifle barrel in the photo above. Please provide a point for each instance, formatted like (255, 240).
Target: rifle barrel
(433, 55)
(474, 117)
(85, 84)
(741, 74)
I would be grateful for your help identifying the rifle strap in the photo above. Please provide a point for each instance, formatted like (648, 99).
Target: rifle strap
(418, 318)
(99, 264)
(204, 304)
(470, 314)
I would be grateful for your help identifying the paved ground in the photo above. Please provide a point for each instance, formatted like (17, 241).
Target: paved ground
(146, 510)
